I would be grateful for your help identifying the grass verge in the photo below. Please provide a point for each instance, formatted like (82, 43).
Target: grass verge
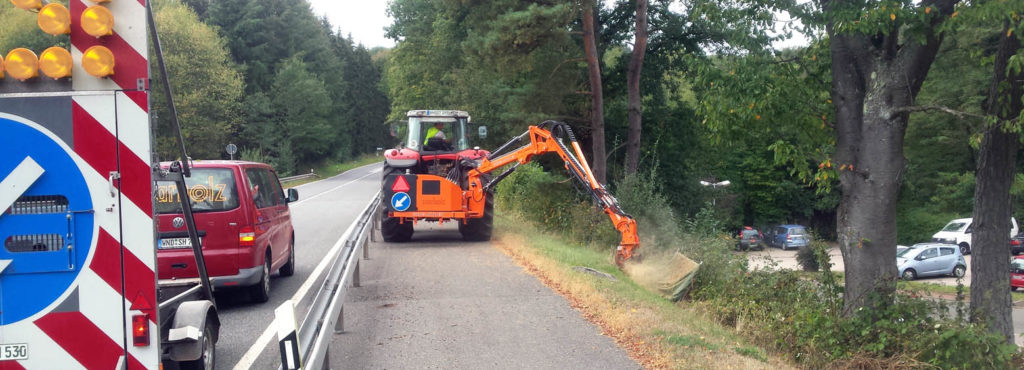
(655, 332)
(330, 168)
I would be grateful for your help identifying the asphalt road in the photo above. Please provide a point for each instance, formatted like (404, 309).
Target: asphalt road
(436, 302)
(441, 302)
(324, 210)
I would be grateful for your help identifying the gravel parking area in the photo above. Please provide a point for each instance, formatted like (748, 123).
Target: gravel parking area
(777, 258)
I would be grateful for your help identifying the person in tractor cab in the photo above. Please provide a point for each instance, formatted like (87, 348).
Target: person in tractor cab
(436, 139)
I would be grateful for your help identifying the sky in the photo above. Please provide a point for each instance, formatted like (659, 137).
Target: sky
(363, 19)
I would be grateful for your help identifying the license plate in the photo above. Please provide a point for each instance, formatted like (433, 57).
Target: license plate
(1018, 277)
(13, 352)
(175, 243)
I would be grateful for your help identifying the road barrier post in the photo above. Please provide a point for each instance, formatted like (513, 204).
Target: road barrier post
(287, 337)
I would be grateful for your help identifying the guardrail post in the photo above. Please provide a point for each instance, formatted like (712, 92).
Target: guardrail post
(339, 327)
(355, 276)
(366, 246)
(287, 336)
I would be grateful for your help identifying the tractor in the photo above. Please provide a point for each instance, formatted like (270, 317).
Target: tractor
(436, 176)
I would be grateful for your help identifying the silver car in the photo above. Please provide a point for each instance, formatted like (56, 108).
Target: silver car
(930, 259)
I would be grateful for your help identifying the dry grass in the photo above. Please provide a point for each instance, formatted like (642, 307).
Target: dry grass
(655, 333)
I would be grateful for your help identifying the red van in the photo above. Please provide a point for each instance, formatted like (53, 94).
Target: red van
(244, 225)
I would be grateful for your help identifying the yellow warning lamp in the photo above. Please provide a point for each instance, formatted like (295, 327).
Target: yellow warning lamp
(22, 64)
(55, 62)
(97, 21)
(28, 4)
(55, 19)
(98, 61)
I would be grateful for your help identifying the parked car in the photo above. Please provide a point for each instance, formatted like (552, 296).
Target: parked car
(788, 236)
(1017, 273)
(1017, 244)
(244, 225)
(930, 259)
(749, 238)
(959, 232)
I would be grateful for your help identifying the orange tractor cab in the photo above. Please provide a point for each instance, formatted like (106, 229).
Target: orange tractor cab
(436, 176)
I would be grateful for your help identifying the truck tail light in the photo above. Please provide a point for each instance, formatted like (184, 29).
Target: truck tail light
(247, 237)
(140, 330)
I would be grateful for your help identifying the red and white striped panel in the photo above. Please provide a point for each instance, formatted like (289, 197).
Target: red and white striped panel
(128, 44)
(121, 254)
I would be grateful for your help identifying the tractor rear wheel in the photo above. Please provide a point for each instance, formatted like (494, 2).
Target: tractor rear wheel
(479, 229)
(394, 230)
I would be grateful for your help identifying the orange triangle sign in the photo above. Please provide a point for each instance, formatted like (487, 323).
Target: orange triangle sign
(400, 185)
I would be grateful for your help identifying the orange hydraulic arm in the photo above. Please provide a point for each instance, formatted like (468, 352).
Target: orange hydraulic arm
(547, 138)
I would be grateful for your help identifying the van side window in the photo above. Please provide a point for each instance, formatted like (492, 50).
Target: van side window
(261, 186)
(970, 228)
(279, 198)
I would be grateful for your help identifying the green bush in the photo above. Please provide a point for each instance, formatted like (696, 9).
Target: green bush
(918, 224)
(803, 317)
(810, 256)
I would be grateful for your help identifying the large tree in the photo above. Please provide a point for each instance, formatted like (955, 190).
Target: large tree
(990, 301)
(208, 98)
(599, 161)
(877, 70)
(635, 100)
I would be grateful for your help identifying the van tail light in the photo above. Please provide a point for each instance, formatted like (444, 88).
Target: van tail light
(247, 237)
(789, 237)
(140, 330)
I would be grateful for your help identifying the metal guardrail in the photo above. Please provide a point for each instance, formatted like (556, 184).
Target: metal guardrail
(299, 177)
(324, 318)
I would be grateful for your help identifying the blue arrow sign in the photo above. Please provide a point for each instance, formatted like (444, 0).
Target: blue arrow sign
(37, 235)
(400, 201)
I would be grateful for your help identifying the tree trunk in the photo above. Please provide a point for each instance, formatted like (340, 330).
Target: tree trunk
(990, 299)
(599, 163)
(872, 76)
(635, 103)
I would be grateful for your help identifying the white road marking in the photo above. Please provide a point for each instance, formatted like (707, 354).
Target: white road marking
(254, 351)
(336, 187)
(18, 182)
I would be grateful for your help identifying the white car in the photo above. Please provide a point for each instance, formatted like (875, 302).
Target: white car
(959, 232)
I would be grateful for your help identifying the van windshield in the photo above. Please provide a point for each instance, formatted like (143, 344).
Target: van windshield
(954, 226)
(209, 190)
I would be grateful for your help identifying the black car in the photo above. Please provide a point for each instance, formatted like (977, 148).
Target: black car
(1017, 244)
(749, 238)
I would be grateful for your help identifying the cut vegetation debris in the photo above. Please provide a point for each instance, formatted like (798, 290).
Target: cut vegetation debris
(658, 334)
(667, 273)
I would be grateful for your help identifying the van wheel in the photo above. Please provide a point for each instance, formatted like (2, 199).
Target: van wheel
(965, 248)
(261, 291)
(208, 357)
(289, 267)
(479, 229)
